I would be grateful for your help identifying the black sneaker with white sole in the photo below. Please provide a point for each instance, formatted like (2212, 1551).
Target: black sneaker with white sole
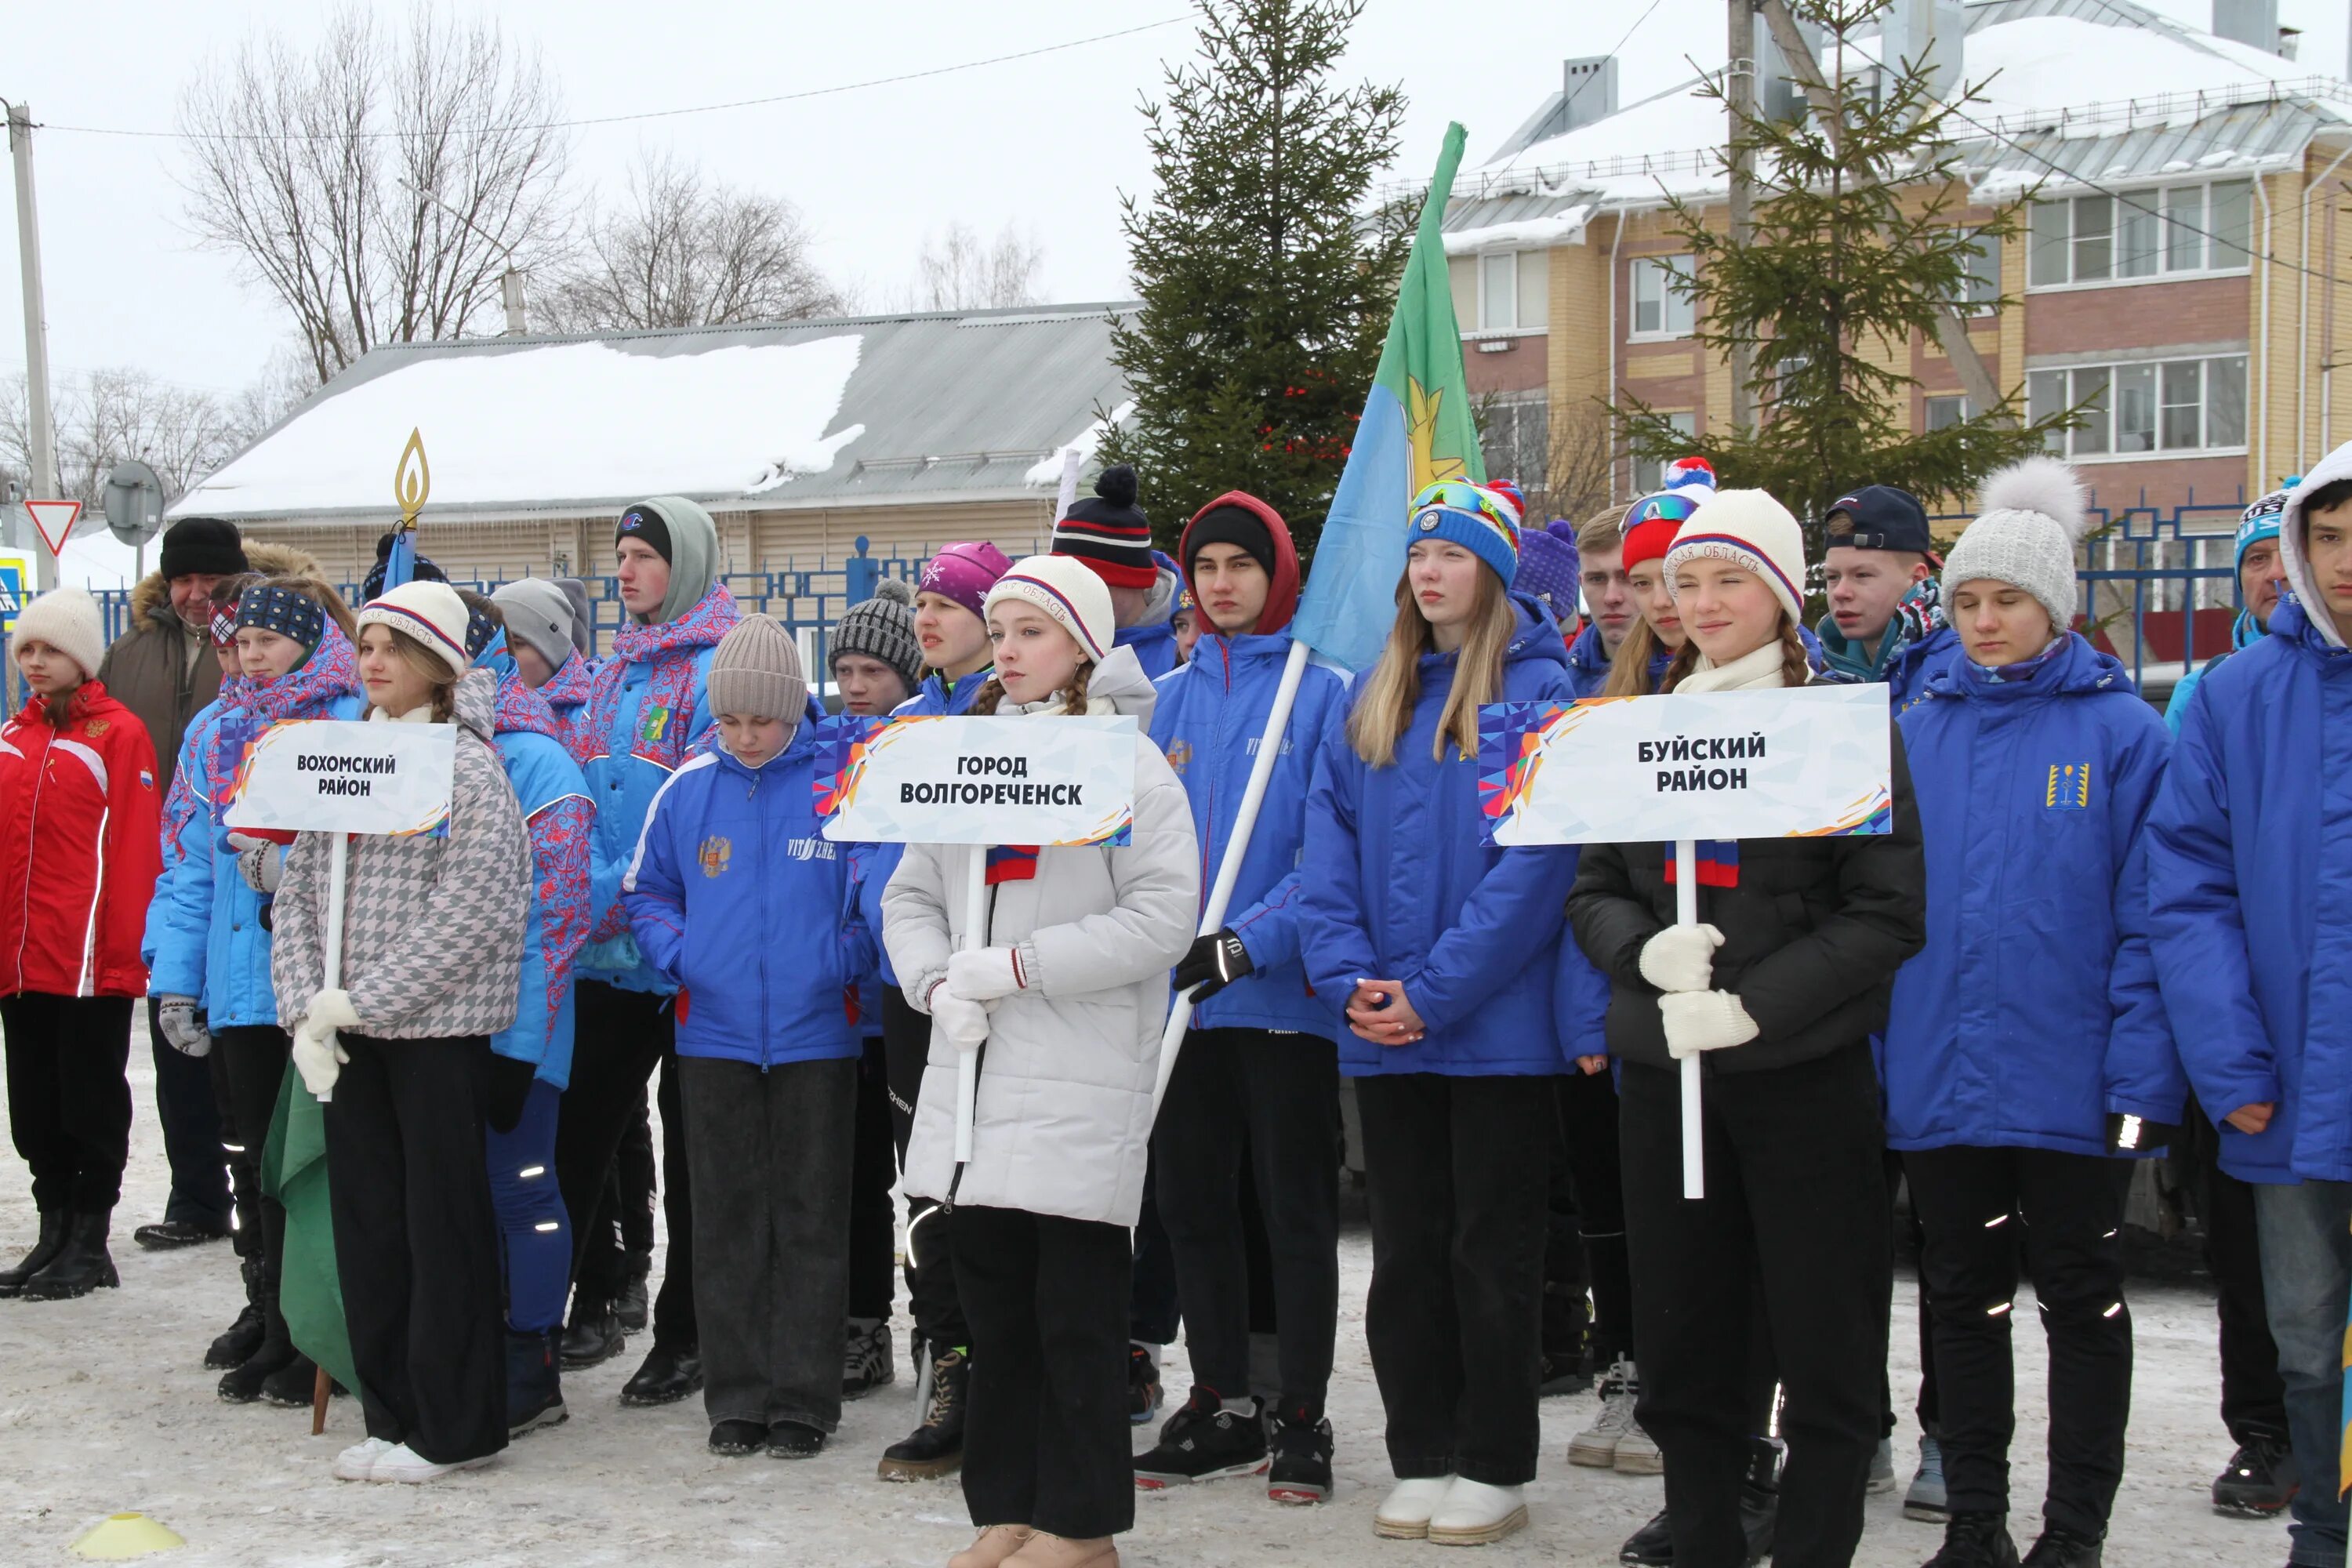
(1203, 1442)
(1301, 1467)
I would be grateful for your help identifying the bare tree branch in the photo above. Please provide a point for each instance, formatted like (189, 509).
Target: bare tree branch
(956, 271)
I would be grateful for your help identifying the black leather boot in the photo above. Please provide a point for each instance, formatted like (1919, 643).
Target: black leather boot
(80, 1265)
(242, 1384)
(595, 1337)
(669, 1374)
(234, 1344)
(52, 1238)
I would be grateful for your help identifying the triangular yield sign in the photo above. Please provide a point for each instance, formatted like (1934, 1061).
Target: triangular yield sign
(55, 519)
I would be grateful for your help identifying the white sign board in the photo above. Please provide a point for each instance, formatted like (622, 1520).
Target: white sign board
(338, 775)
(1060, 781)
(1810, 761)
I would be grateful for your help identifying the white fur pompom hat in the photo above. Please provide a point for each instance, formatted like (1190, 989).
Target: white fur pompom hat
(2031, 516)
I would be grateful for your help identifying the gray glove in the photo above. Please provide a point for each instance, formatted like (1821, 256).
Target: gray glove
(183, 1031)
(263, 867)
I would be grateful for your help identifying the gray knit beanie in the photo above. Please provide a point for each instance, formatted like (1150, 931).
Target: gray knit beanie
(756, 669)
(882, 627)
(2033, 518)
(538, 615)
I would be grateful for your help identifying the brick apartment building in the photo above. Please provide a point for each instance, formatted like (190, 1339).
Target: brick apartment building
(2141, 287)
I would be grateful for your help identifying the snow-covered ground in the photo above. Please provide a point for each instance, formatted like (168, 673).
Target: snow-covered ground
(105, 1406)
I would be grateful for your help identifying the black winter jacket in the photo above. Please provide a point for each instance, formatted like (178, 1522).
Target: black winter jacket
(1813, 935)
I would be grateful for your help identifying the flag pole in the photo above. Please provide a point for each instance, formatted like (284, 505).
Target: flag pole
(330, 978)
(1229, 866)
(1693, 1133)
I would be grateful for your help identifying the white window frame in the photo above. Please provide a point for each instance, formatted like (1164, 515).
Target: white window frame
(1969, 303)
(1927, 410)
(2166, 199)
(1518, 329)
(2078, 381)
(1665, 267)
(1649, 473)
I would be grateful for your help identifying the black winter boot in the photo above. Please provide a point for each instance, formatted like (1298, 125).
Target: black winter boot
(667, 1375)
(595, 1337)
(2062, 1548)
(935, 1447)
(242, 1384)
(80, 1265)
(632, 1307)
(1651, 1546)
(52, 1238)
(234, 1345)
(534, 1383)
(1976, 1539)
(294, 1385)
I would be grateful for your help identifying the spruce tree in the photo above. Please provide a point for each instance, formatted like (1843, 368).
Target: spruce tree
(1858, 240)
(1265, 296)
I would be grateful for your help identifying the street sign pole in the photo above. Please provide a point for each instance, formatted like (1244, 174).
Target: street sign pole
(44, 439)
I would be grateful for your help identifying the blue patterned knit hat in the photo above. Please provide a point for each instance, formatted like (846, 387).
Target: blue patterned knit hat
(284, 611)
(1472, 517)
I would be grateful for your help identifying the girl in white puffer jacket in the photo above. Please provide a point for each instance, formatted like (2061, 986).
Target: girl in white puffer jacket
(1067, 1000)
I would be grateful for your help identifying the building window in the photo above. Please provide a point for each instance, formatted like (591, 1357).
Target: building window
(2153, 232)
(1502, 290)
(1982, 291)
(1649, 473)
(1662, 302)
(1515, 436)
(2145, 406)
(1943, 412)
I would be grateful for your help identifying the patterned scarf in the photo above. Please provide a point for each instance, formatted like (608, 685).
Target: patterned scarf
(1918, 617)
(667, 646)
(250, 707)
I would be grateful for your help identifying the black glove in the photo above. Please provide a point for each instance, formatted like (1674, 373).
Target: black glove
(2129, 1134)
(1213, 963)
(511, 1083)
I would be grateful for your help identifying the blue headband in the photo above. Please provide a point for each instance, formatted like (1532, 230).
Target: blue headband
(283, 611)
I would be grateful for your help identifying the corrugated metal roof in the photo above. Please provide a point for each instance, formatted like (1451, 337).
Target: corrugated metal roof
(2245, 138)
(954, 406)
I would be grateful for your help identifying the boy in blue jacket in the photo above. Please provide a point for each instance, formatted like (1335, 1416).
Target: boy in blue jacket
(1258, 1076)
(2249, 891)
(739, 902)
(2027, 1042)
(1885, 622)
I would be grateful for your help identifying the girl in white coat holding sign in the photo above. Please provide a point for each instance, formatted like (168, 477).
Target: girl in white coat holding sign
(1066, 1002)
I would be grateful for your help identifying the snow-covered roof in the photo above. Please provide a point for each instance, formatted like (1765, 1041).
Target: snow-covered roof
(2196, 103)
(955, 406)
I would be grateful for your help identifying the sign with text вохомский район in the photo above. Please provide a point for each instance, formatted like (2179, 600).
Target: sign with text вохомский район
(341, 776)
(1809, 761)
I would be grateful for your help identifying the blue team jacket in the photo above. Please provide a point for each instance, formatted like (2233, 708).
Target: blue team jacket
(1397, 885)
(2033, 1011)
(558, 817)
(1588, 663)
(1209, 717)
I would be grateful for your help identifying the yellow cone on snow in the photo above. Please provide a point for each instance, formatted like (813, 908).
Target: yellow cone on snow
(120, 1537)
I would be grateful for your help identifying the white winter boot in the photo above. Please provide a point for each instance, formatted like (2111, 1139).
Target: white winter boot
(1475, 1514)
(1403, 1514)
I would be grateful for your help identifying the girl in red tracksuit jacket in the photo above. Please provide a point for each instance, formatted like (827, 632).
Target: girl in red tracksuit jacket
(79, 853)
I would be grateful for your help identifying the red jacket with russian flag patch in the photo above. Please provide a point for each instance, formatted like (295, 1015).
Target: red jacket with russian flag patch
(80, 847)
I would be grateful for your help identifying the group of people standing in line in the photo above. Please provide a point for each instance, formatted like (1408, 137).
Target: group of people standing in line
(2083, 941)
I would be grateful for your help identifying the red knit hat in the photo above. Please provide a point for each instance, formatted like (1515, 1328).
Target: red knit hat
(1652, 521)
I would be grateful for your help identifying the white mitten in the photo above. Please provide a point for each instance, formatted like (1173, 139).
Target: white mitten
(329, 1011)
(963, 1021)
(984, 974)
(262, 866)
(319, 1056)
(1699, 1021)
(1681, 958)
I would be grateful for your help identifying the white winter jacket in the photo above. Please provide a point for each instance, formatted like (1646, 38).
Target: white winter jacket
(1064, 1118)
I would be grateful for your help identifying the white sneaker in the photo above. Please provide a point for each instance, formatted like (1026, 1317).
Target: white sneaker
(1474, 1513)
(358, 1462)
(1637, 1453)
(406, 1465)
(1403, 1514)
(1596, 1446)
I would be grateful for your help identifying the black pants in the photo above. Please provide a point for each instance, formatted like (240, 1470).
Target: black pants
(2070, 1207)
(190, 1119)
(2253, 1399)
(1929, 1408)
(930, 1266)
(1047, 1441)
(1155, 1311)
(873, 1167)
(623, 1219)
(620, 1038)
(1271, 1100)
(244, 1163)
(416, 1243)
(253, 1058)
(69, 1096)
(1456, 1170)
(772, 1156)
(1588, 1123)
(1796, 1203)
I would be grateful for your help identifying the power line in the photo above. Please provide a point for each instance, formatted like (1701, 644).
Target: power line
(1568, 101)
(647, 114)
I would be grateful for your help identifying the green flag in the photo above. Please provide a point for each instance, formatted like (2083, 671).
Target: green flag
(294, 1171)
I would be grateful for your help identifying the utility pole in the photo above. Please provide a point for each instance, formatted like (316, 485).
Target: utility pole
(1740, 98)
(44, 439)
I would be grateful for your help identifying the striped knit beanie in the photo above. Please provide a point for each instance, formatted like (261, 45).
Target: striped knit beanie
(1473, 517)
(882, 627)
(1654, 519)
(1109, 533)
(1064, 591)
(431, 613)
(1754, 532)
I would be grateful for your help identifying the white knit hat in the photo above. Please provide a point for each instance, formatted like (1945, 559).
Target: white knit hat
(431, 613)
(1065, 589)
(1752, 531)
(2032, 517)
(68, 620)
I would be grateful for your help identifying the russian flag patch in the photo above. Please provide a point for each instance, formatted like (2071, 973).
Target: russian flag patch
(1011, 863)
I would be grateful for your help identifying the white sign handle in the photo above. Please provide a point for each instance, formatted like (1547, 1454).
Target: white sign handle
(1694, 1132)
(330, 962)
(976, 937)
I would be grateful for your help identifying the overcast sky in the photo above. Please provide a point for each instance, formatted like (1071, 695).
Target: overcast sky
(1045, 144)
